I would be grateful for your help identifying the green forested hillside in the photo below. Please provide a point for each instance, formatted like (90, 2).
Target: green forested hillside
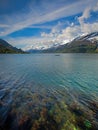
(5, 47)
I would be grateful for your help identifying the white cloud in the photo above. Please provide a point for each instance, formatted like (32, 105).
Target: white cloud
(4, 26)
(55, 31)
(86, 14)
(96, 7)
(30, 42)
(47, 40)
(69, 33)
(88, 27)
(58, 32)
(73, 30)
(47, 11)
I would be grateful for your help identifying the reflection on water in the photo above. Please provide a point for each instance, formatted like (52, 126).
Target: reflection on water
(45, 92)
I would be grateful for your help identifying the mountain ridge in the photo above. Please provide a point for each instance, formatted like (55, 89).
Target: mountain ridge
(5, 47)
(82, 44)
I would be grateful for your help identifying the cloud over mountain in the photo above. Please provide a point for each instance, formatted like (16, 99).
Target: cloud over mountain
(40, 22)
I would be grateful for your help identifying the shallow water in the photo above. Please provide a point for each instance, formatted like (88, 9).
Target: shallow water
(49, 92)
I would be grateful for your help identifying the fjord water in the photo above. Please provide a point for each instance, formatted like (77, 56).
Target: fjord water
(49, 92)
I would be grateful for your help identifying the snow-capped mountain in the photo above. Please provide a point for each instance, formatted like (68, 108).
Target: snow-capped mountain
(88, 36)
(82, 43)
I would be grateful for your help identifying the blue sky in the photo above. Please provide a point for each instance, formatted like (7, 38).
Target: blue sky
(43, 23)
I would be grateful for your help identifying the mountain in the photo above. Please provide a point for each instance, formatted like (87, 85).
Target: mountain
(88, 36)
(40, 48)
(5, 47)
(82, 44)
(34, 51)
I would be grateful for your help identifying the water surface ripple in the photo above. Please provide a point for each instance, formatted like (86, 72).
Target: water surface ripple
(49, 92)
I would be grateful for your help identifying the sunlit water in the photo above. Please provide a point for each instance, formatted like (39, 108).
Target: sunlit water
(49, 92)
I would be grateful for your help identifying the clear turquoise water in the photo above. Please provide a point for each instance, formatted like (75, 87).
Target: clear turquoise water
(27, 80)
